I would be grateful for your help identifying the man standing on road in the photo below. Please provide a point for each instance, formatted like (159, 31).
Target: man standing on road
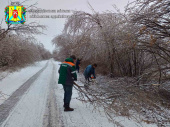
(78, 65)
(89, 71)
(67, 75)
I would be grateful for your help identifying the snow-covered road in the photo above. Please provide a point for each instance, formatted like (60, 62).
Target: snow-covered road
(36, 100)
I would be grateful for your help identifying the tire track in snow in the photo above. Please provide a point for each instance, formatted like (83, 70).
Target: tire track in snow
(10, 103)
(52, 115)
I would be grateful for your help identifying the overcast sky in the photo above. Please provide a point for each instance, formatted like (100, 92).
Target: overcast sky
(55, 26)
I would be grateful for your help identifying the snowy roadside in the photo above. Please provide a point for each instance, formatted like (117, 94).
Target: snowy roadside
(14, 80)
(42, 103)
(85, 115)
(4, 74)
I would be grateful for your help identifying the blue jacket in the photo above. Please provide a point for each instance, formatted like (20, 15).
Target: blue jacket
(89, 71)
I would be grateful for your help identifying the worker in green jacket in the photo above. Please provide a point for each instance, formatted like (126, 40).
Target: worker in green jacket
(67, 75)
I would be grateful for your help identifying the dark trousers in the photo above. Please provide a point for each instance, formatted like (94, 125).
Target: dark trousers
(77, 68)
(87, 78)
(67, 93)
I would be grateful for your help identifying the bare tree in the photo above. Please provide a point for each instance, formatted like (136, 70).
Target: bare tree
(18, 46)
(134, 49)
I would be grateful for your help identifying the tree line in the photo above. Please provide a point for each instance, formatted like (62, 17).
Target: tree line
(135, 43)
(18, 47)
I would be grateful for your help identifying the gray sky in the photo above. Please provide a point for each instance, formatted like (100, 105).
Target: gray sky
(55, 26)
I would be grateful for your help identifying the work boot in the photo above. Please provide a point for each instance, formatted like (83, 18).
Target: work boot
(67, 108)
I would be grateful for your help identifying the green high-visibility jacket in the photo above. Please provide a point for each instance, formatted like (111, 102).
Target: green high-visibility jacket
(67, 72)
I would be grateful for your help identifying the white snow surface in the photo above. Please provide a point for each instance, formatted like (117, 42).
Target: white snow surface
(30, 110)
(85, 115)
(13, 81)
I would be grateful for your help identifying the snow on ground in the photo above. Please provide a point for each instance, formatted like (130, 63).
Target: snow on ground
(29, 111)
(4, 74)
(14, 80)
(85, 116)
